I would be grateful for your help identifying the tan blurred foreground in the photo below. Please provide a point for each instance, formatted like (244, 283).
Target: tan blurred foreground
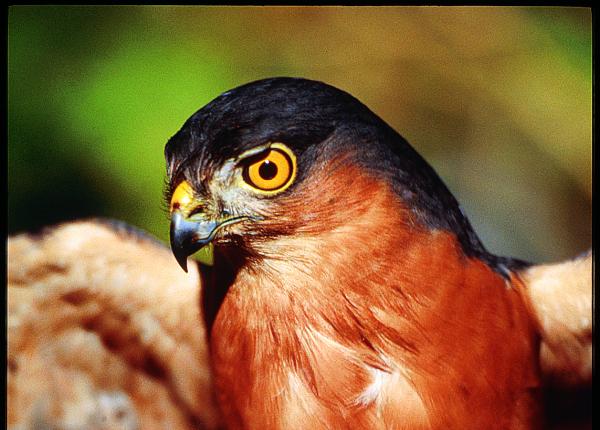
(104, 340)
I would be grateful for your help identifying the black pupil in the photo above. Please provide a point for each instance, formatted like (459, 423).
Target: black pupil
(267, 170)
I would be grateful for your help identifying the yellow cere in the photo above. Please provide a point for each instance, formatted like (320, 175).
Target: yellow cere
(183, 197)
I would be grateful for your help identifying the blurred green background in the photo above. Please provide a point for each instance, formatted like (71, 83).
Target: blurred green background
(498, 100)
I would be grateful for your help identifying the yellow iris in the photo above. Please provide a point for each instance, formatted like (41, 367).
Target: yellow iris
(273, 172)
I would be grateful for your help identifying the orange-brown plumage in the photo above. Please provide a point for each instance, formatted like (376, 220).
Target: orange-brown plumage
(350, 299)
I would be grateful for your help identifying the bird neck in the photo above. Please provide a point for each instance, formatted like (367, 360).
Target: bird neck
(350, 234)
(350, 256)
(369, 304)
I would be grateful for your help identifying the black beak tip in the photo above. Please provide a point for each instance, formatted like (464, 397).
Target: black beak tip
(178, 238)
(187, 237)
(182, 261)
(179, 252)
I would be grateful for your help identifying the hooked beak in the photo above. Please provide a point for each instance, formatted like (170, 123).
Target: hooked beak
(189, 233)
(187, 237)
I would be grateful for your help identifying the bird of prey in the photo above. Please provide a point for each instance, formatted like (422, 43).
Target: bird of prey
(348, 291)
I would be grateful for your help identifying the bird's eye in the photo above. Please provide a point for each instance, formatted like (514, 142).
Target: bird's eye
(272, 171)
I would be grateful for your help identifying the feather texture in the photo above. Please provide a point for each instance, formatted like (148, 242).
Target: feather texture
(104, 331)
(368, 321)
(561, 298)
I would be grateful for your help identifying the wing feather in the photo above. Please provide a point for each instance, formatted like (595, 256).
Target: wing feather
(104, 331)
